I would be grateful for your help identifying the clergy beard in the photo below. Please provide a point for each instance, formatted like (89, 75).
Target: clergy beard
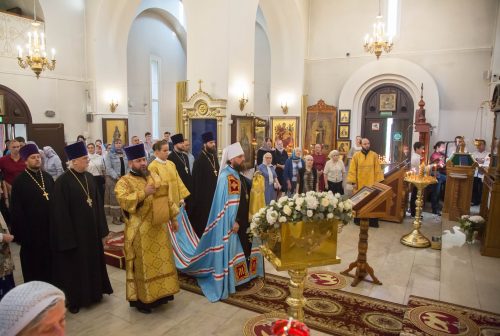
(212, 150)
(365, 151)
(34, 169)
(141, 172)
(238, 167)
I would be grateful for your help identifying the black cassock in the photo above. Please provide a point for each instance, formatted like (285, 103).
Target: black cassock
(181, 162)
(242, 216)
(30, 218)
(204, 184)
(76, 232)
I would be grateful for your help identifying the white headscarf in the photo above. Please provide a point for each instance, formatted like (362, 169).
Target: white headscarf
(23, 303)
(230, 152)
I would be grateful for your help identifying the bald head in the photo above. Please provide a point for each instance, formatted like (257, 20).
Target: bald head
(365, 143)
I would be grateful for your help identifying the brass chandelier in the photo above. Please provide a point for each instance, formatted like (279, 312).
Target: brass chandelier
(36, 59)
(379, 41)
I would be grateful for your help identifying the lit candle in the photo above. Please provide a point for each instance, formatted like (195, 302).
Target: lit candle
(366, 39)
(53, 54)
(42, 39)
(19, 52)
(29, 38)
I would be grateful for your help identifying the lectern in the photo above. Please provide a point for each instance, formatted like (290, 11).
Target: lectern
(369, 202)
(460, 170)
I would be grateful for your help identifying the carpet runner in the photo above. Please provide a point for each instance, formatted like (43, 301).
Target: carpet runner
(113, 250)
(336, 312)
(331, 311)
(437, 318)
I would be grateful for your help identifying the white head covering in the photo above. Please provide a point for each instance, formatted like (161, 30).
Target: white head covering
(23, 303)
(230, 152)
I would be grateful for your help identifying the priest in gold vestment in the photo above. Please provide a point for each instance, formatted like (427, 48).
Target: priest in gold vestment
(365, 170)
(167, 171)
(150, 268)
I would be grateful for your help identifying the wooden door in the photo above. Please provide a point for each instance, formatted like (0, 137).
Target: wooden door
(387, 119)
(48, 135)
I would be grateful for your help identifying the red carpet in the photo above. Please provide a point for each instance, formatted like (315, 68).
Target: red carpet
(113, 250)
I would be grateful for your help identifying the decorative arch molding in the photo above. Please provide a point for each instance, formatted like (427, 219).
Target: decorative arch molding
(404, 73)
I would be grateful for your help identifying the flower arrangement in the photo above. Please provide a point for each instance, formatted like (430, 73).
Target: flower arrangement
(469, 224)
(311, 206)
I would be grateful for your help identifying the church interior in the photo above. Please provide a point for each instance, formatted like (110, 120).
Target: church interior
(301, 73)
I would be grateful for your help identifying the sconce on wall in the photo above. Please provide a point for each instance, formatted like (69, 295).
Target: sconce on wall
(284, 108)
(113, 105)
(243, 101)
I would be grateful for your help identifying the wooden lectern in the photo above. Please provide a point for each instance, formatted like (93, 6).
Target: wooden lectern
(460, 170)
(368, 202)
(394, 176)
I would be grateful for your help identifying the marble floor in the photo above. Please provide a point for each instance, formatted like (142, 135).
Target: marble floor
(457, 274)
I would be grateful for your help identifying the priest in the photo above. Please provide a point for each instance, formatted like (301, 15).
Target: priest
(180, 159)
(150, 267)
(32, 190)
(205, 171)
(77, 230)
(224, 257)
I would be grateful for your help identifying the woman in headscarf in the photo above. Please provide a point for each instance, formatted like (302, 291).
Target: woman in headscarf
(266, 148)
(308, 176)
(270, 177)
(97, 168)
(34, 308)
(291, 173)
(116, 166)
(334, 173)
(52, 162)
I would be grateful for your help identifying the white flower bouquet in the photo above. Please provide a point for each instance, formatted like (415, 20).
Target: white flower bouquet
(312, 206)
(470, 223)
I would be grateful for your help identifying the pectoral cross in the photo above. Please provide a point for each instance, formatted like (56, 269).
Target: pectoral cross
(89, 201)
(186, 169)
(215, 172)
(46, 195)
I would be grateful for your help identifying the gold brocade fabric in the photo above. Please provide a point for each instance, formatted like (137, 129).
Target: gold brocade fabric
(257, 194)
(167, 172)
(150, 266)
(365, 170)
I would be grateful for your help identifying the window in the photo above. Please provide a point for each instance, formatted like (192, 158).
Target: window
(392, 17)
(155, 96)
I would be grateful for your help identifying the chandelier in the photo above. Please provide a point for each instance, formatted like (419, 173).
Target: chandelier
(36, 58)
(379, 41)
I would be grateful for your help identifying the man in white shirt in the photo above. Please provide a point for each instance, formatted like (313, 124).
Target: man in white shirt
(480, 155)
(416, 158)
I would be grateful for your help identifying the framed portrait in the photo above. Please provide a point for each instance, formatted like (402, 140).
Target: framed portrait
(321, 126)
(2, 105)
(198, 127)
(286, 130)
(115, 129)
(343, 146)
(375, 126)
(387, 102)
(260, 127)
(344, 131)
(344, 117)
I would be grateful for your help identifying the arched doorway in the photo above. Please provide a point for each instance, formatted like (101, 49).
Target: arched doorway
(387, 119)
(16, 121)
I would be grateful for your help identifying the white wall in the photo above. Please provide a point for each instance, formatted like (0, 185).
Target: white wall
(61, 90)
(262, 69)
(455, 55)
(151, 35)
